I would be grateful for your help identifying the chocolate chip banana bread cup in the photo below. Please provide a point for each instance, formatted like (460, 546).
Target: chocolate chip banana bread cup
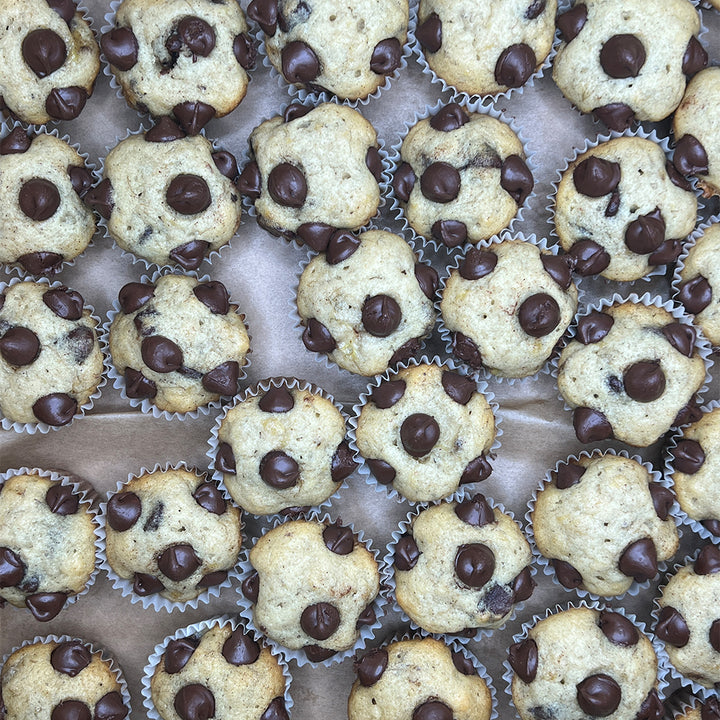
(186, 59)
(631, 369)
(425, 429)
(178, 344)
(172, 538)
(52, 362)
(312, 587)
(216, 668)
(44, 223)
(603, 524)
(460, 175)
(366, 303)
(281, 448)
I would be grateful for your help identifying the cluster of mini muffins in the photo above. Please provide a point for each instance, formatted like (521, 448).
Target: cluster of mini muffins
(397, 244)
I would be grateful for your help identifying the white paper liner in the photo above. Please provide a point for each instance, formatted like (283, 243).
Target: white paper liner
(200, 628)
(395, 159)
(662, 657)
(105, 656)
(448, 364)
(606, 284)
(365, 633)
(481, 634)
(82, 410)
(88, 499)
(32, 131)
(447, 335)
(702, 346)
(147, 405)
(157, 601)
(291, 383)
(698, 689)
(544, 562)
(669, 470)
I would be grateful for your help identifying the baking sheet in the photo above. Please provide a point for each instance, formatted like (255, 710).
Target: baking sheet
(260, 272)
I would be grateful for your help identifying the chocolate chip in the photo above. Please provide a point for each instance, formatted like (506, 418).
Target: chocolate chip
(516, 178)
(316, 235)
(466, 349)
(651, 708)
(341, 246)
(154, 518)
(714, 635)
(137, 385)
(240, 649)
(251, 586)
(279, 470)
(287, 185)
(695, 57)
(82, 342)
(589, 257)
(617, 116)
(646, 233)
(404, 181)
(317, 338)
(571, 22)
(558, 269)
(622, 56)
(276, 710)
(477, 264)
(672, 628)
(373, 162)
(208, 496)
(381, 315)
(100, 198)
(523, 659)
(662, 499)
(688, 456)
(80, 178)
(515, 65)
(371, 666)
(568, 474)
(178, 653)
(539, 315)
(440, 182)
(432, 710)
(197, 35)
(178, 562)
(567, 575)
(15, 142)
(639, 560)
(598, 695)
(295, 110)
(367, 617)
(70, 657)
(338, 539)
(193, 116)
(676, 178)
(44, 51)
(449, 232)
(384, 472)
(188, 194)
(265, 14)
(536, 8)
(134, 295)
(61, 499)
(475, 511)
(46, 606)
(644, 381)
(41, 263)
(611, 209)
(19, 346)
(712, 526)
(429, 33)
(386, 56)
(12, 568)
(343, 463)
(194, 702)
(459, 388)
(618, 629)
(223, 379)
(681, 337)
(668, 251)
(110, 707)
(120, 47)
(477, 470)
(405, 351)
(695, 294)
(427, 279)
(450, 117)
(708, 560)
(144, 584)
(71, 710)
(226, 164)
(123, 510)
(690, 413)
(595, 176)
(387, 393)
(214, 578)
(161, 354)
(315, 653)
(406, 553)
(55, 409)
(39, 199)
(523, 585)
(591, 425)
(190, 255)
(277, 400)
(710, 710)
(64, 8)
(245, 51)
(498, 599)
(690, 156)
(320, 620)
(66, 304)
(419, 433)
(66, 103)
(474, 564)
(165, 130)
(299, 62)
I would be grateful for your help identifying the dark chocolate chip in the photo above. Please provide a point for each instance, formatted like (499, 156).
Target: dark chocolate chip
(708, 560)
(571, 22)
(251, 586)
(44, 51)
(45, 606)
(662, 499)
(367, 617)
(568, 474)
(449, 232)
(668, 252)
(120, 47)
(161, 354)
(299, 62)
(178, 653)
(41, 262)
(208, 496)
(61, 499)
(190, 255)
(279, 470)
(12, 568)
(194, 702)
(15, 142)
(214, 578)
(214, 295)
(66, 9)
(558, 269)
(80, 178)
(276, 710)
(611, 209)
(317, 338)
(712, 525)
(646, 233)
(19, 346)
(223, 379)
(474, 564)
(82, 342)
(463, 664)
(477, 470)
(429, 33)
(432, 710)
(66, 304)
(516, 178)
(477, 264)
(70, 657)
(295, 110)
(371, 666)
(499, 599)
(71, 710)
(381, 315)
(386, 56)
(193, 116)
(440, 182)
(617, 116)
(652, 707)
(405, 351)
(567, 575)
(523, 659)
(515, 65)
(475, 511)
(316, 235)
(110, 707)
(154, 518)
(714, 635)
(618, 629)
(688, 414)
(320, 620)
(672, 627)
(406, 553)
(165, 130)
(639, 560)
(245, 51)
(466, 349)
(695, 57)
(123, 510)
(595, 176)
(695, 294)
(523, 585)
(676, 178)
(100, 198)
(316, 654)
(690, 156)
(644, 381)
(144, 584)
(66, 103)
(39, 199)
(55, 409)
(459, 388)
(387, 393)
(265, 14)
(622, 56)
(419, 433)
(450, 117)
(240, 649)
(188, 194)
(338, 539)
(277, 400)
(681, 337)
(404, 181)
(591, 425)
(535, 9)
(383, 472)
(710, 710)
(343, 463)
(287, 185)
(341, 246)
(539, 315)
(598, 695)
(427, 279)
(589, 257)
(197, 35)
(226, 164)
(178, 562)
(137, 385)
(688, 456)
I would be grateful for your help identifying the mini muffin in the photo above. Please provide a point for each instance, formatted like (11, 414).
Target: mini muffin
(313, 586)
(51, 363)
(688, 621)
(697, 131)
(282, 448)
(621, 209)
(221, 672)
(461, 566)
(697, 282)
(584, 662)
(480, 48)
(61, 678)
(49, 60)
(47, 543)
(472, 176)
(631, 372)
(43, 220)
(348, 51)
(425, 431)
(168, 198)
(185, 58)
(627, 60)
(367, 302)
(178, 342)
(603, 522)
(507, 305)
(418, 679)
(695, 470)
(313, 171)
(171, 532)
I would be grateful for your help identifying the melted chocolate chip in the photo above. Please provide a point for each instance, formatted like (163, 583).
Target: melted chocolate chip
(419, 433)
(120, 47)
(276, 710)
(277, 400)
(193, 116)
(190, 255)
(295, 110)
(428, 280)
(165, 130)
(381, 315)
(194, 702)
(695, 57)
(19, 346)
(343, 463)
(645, 234)
(61, 500)
(570, 23)
(651, 708)
(567, 575)
(386, 56)
(406, 553)
(338, 539)
(477, 470)
(39, 199)
(672, 628)
(644, 381)
(695, 294)
(440, 182)
(341, 246)
(373, 162)
(251, 586)
(161, 354)
(110, 707)
(714, 635)
(287, 185)
(523, 659)
(405, 351)
(100, 198)
(523, 585)
(320, 620)
(299, 62)
(15, 142)
(662, 499)
(383, 472)
(208, 496)
(279, 470)
(475, 511)
(197, 35)
(459, 388)
(367, 617)
(55, 409)
(371, 666)
(568, 474)
(214, 578)
(591, 425)
(429, 33)
(12, 568)
(64, 8)
(316, 654)
(240, 649)
(45, 606)
(223, 379)
(466, 349)
(137, 385)
(708, 560)
(432, 710)
(676, 178)
(245, 51)
(516, 178)
(639, 560)
(515, 65)
(41, 263)
(477, 264)
(387, 393)
(44, 51)
(316, 235)
(123, 510)
(539, 315)
(622, 56)
(595, 176)
(558, 269)
(598, 695)
(711, 709)
(589, 257)
(449, 232)
(450, 117)
(178, 653)
(617, 116)
(71, 710)
(178, 562)
(144, 584)
(66, 304)
(226, 164)
(499, 599)
(681, 337)
(690, 156)
(688, 414)
(712, 526)
(536, 8)
(70, 657)
(618, 629)
(188, 194)
(213, 295)
(404, 181)
(66, 103)
(265, 14)
(611, 209)
(317, 338)
(668, 251)
(474, 564)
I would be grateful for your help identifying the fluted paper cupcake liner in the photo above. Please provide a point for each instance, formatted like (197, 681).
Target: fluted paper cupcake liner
(146, 405)
(449, 364)
(544, 562)
(198, 629)
(41, 427)
(156, 601)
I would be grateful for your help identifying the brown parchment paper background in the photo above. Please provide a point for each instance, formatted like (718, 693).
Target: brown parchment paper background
(260, 272)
